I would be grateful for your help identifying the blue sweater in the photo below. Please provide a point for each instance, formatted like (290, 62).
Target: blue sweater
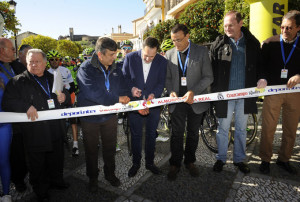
(92, 89)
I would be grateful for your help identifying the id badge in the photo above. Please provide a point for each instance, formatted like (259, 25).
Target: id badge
(183, 81)
(284, 73)
(51, 104)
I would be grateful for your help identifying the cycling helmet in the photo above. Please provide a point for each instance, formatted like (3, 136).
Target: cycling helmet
(126, 42)
(88, 51)
(166, 45)
(53, 54)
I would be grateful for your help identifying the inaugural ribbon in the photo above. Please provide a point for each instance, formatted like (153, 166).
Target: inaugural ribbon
(10, 117)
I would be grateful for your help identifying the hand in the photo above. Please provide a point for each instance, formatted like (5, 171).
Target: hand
(61, 97)
(262, 83)
(32, 113)
(124, 99)
(144, 112)
(189, 96)
(294, 80)
(136, 92)
(173, 94)
(150, 97)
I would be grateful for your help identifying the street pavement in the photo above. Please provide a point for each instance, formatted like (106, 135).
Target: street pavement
(229, 185)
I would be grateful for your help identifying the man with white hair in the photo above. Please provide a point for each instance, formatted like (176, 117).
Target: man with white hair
(30, 92)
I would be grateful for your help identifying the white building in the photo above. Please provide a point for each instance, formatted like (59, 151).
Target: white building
(155, 12)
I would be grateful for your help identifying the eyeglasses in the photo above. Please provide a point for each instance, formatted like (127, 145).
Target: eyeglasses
(178, 40)
(34, 62)
(287, 28)
(127, 48)
(56, 59)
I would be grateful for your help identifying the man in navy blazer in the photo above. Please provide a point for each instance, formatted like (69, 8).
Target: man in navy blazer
(145, 73)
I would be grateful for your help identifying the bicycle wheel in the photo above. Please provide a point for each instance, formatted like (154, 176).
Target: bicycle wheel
(208, 130)
(126, 129)
(251, 129)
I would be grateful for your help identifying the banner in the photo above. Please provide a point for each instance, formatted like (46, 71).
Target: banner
(10, 117)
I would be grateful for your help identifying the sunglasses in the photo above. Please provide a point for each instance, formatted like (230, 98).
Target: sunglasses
(87, 57)
(286, 27)
(127, 48)
(56, 59)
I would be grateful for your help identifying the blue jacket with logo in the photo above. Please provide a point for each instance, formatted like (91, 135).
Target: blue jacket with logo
(92, 89)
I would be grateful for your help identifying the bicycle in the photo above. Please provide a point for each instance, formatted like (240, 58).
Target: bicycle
(209, 127)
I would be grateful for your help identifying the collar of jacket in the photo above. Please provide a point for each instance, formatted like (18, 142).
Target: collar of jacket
(96, 64)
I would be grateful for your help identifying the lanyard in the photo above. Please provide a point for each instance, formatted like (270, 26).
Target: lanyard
(282, 50)
(47, 92)
(186, 60)
(12, 73)
(107, 85)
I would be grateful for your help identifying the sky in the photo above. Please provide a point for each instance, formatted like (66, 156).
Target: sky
(90, 17)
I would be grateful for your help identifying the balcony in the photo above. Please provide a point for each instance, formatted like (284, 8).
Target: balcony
(172, 3)
(152, 4)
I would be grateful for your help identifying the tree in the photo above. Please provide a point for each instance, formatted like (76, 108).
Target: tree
(294, 5)
(162, 30)
(203, 19)
(67, 48)
(10, 21)
(44, 43)
(80, 48)
(238, 5)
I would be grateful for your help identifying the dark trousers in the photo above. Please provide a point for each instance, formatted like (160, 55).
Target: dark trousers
(108, 132)
(184, 113)
(17, 159)
(136, 128)
(46, 168)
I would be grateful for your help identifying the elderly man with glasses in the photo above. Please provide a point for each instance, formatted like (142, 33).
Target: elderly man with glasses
(281, 66)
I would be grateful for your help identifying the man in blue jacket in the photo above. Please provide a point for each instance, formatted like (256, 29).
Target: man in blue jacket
(101, 83)
(145, 73)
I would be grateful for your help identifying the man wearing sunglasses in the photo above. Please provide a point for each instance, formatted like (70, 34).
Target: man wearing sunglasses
(281, 61)
(54, 59)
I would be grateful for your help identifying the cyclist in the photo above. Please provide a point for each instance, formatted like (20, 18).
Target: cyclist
(126, 47)
(87, 53)
(54, 59)
(69, 64)
(166, 45)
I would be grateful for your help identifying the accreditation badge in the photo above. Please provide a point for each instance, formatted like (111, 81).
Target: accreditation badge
(183, 81)
(51, 104)
(284, 73)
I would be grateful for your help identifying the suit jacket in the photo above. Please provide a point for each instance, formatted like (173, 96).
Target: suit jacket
(199, 74)
(134, 76)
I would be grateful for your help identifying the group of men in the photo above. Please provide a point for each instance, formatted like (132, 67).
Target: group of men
(235, 61)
